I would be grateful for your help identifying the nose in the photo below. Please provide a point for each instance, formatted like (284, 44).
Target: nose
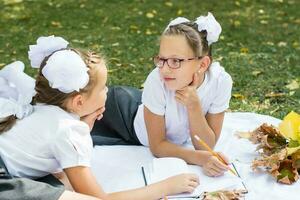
(165, 68)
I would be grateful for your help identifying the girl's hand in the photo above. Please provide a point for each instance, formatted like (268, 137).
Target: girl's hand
(188, 95)
(214, 167)
(182, 183)
(90, 118)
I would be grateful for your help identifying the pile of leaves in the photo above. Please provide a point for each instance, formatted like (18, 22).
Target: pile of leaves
(224, 195)
(279, 148)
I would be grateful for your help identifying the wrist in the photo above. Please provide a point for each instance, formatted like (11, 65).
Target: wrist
(201, 157)
(195, 105)
(166, 188)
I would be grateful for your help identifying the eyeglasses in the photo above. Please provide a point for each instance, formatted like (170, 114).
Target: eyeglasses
(173, 63)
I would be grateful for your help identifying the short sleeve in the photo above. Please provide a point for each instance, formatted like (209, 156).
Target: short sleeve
(153, 94)
(222, 99)
(72, 145)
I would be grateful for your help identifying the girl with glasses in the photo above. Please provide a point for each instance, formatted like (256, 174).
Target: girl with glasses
(185, 95)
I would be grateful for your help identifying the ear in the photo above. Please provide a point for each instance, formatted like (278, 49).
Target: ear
(204, 64)
(77, 103)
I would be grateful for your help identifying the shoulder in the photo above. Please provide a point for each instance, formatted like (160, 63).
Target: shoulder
(59, 119)
(153, 84)
(218, 75)
(154, 76)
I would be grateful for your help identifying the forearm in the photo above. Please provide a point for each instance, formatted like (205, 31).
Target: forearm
(168, 149)
(151, 192)
(199, 126)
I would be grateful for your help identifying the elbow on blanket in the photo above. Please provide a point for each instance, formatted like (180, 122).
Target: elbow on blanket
(156, 150)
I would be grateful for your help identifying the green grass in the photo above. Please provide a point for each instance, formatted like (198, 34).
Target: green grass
(259, 47)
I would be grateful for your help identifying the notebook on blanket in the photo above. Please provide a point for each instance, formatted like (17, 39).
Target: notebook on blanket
(162, 168)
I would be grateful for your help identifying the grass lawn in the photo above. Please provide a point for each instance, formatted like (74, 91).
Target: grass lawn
(259, 45)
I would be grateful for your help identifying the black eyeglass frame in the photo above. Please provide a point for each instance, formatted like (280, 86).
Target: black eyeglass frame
(157, 59)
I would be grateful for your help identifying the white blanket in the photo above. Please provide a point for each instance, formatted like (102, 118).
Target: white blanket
(119, 167)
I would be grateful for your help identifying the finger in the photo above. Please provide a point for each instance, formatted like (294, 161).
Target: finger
(207, 172)
(194, 177)
(224, 157)
(100, 117)
(180, 93)
(214, 172)
(182, 89)
(213, 168)
(193, 184)
(179, 99)
(190, 189)
(220, 166)
(196, 79)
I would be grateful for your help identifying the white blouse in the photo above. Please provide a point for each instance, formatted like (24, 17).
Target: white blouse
(47, 141)
(214, 94)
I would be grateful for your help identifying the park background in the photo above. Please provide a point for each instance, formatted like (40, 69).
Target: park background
(259, 45)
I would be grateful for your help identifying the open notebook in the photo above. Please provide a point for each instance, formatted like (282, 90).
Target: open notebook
(162, 168)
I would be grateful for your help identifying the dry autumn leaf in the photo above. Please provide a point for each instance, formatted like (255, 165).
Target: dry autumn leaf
(293, 85)
(224, 195)
(279, 155)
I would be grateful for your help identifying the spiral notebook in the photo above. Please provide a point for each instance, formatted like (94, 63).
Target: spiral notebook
(162, 168)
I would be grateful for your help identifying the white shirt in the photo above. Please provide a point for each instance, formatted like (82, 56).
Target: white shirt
(214, 94)
(47, 141)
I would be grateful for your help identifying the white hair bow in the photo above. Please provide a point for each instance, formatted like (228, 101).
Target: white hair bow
(208, 23)
(212, 27)
(16, 91)
(65, 70)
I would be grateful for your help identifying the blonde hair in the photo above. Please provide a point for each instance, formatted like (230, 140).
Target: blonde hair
(48, 95)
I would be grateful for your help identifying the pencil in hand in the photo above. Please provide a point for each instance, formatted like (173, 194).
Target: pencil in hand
(201, 142)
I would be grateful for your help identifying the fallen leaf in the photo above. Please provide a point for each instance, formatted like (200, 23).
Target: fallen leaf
(281, 44)
(256, 72)
(274, 95)
(244, 50)
(179, 12)
(56, 24)
(238, 96)
(149, 15)
(169, 4)
(293, 85)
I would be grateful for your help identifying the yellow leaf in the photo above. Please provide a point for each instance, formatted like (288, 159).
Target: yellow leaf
(56, 24)
(281, 44)
(236, 23)
(256, 72)
(273, 94)
(179, 12)
(149, 15)
(264, 22)
(133, 27)
(293, 85)
(238, 96)
(292, 150)
(170, 4)
(148, 32)
(244, 50)
(290, 126)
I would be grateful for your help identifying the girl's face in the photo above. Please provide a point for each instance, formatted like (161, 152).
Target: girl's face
(176, 46)
(97, 98)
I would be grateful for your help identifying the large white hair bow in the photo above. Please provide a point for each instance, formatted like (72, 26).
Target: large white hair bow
(208, 23)
(16, 91)
(212, 27)
(65, 70)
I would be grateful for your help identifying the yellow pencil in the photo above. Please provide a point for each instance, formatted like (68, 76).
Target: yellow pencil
(201, 142)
